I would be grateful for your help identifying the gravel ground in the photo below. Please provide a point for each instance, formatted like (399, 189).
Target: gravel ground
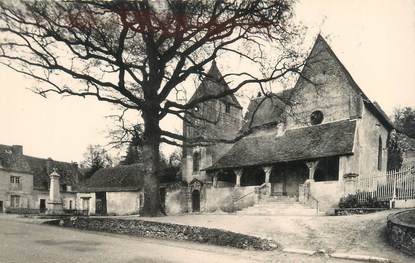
(356, 234)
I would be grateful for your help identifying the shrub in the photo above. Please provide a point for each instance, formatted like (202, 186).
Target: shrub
(352, 201)
(349, 201)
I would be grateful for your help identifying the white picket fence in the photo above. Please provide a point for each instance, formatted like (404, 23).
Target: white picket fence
(396, 184)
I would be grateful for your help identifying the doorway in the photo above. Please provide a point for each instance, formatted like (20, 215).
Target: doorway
(85, 204)
(1, 206)
(196, 201)
(42, 205)
(101, 203)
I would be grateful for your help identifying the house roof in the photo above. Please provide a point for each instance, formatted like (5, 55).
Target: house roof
(324, 140)
(214, 84)
(42, 168)
(13, 159)
(121, 178)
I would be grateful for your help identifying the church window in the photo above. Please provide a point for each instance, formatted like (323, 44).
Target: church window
(196, 161)
(316, 117)
(227, 108)
(380, 154)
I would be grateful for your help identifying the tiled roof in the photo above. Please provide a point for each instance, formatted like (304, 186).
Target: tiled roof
(42, 168)
(12, 158)
(372, 106)
(266, 110)
(324, 140)
(121, 178)
(213, 85)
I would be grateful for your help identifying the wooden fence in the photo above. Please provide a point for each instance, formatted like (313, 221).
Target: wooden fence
(395, 184)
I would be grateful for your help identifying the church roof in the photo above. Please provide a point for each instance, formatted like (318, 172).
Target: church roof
(307, 143)
(372, 106)
(267, 109)
(214, 84)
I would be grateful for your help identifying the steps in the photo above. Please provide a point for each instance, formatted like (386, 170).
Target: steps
(279, 206)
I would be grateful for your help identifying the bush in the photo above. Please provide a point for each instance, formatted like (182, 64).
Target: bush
(352, 201)
(21, 211)
(349, 201)
(150, 229)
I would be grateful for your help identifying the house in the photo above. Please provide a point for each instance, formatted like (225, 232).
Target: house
(24, 180)
(309, 142)
(118, 191)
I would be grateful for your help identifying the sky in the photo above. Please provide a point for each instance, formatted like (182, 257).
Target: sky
(375, 40)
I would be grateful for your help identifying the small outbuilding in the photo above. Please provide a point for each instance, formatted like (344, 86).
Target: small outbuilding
(118, 191)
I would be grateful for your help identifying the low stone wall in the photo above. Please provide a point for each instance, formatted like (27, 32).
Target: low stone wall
(327, 193)
(401, 231)
(219, 199)
(244, 197)
(168, 231)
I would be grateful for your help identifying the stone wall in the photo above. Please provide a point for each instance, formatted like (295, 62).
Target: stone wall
(218, 199)
(244, 197)
(334, 95)
(24, 191)
(229, 199)
(401, 234)
(221, 125)
(410, 203)
(369, 130)
(66, 198)
(176, 201)
(123, 203)
(327, 193)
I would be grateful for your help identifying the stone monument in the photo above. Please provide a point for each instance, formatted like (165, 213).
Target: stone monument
(55, 201)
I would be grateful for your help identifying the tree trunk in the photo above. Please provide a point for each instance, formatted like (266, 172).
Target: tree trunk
(151, 162)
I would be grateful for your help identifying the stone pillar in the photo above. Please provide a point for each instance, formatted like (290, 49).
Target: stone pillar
(350, 183)
(238, 173)
(215, 180)
(55, 201)
(311, 169)
(267, 171)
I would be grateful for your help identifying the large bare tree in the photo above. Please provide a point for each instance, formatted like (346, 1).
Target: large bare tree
(135, 54)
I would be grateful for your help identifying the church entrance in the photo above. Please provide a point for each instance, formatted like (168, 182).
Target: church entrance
(196, 201)
(286, 178)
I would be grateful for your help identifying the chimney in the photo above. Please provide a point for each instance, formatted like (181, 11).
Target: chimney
(17, 149)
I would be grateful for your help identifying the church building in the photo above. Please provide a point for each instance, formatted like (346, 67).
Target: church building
(308, 143)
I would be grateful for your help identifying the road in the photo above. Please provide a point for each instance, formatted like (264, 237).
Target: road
(28, 242)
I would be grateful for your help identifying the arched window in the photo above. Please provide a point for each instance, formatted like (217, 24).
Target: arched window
(380, 154)
(196, 161)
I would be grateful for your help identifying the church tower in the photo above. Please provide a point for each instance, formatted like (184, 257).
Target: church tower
(214, 119)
